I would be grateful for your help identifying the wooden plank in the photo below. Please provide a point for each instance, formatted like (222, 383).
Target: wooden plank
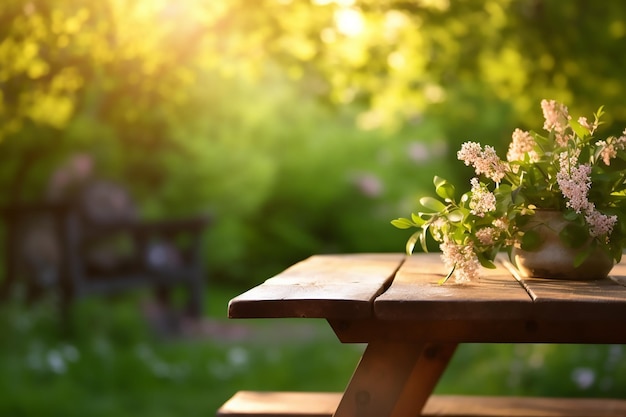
(477, 331)
(322, 286)
(323, 404)
(416, 294)
(469, 406)
(283, 404)
(599, 300)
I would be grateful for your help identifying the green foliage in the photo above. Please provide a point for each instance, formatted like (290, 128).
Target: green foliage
(273, 117)
(114, 364)
(535, 370)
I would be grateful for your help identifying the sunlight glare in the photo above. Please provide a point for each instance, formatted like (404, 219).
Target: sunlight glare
(349, 22)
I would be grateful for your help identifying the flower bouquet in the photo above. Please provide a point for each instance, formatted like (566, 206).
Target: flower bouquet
(567, 168)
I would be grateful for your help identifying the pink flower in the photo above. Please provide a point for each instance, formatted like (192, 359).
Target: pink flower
(600, 224)
(575, 187)
(369, 185)
(487, 235)
(610, 148)
(502, 223)
(484, 161)
(608, 151)
(523, 143)
(556, 119)
(575, 182)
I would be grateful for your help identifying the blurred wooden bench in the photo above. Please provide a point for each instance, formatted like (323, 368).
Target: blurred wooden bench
(95, 243)
(324, 404)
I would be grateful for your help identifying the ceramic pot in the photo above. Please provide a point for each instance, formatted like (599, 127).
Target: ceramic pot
(552, 259)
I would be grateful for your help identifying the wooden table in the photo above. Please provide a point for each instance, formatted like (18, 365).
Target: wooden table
(412, 325)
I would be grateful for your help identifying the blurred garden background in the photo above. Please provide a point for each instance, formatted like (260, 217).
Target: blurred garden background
(302, 127)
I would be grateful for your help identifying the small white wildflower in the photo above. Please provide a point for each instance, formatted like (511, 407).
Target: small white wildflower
(462, 259)
(482, 201)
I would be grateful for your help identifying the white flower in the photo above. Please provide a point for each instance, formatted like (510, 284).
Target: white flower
(462, 259)
(483, 201)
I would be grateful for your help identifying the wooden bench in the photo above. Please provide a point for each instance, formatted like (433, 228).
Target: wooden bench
(94, 243)
(324, 404)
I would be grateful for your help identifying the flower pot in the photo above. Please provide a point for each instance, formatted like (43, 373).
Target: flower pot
(553, 259)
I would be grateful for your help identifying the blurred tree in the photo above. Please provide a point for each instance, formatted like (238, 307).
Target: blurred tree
(403, 58)
(202, 103)
(114, 77)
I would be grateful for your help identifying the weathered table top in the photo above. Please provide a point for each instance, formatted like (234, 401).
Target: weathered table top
(393, 296)
(412, 324)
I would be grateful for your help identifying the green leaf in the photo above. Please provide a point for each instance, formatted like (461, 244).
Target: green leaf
(445, 191)
(487, 263)
(574, 235)
(433, 204)
(582, 256)
(617, 254)
(530, 241)
(579, 129)
(417, 219)
(515, 196)
(443, 188)
(410, 244)
(542, 141)
(456, 216)
(570, 215)
(598, 115)
(522, 220)
(402, 223)
(437, 180)
(447, 277)
(425, 216)
(458, 234)
(423, 238)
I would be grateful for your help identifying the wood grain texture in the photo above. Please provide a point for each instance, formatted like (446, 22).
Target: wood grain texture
(432, 362)
(415, 293)
(322, 286)
(556, 300)
(379, 380)
(394, 289)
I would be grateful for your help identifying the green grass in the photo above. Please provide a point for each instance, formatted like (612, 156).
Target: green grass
(115, 364)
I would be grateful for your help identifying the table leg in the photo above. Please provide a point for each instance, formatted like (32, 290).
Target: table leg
(394, 379)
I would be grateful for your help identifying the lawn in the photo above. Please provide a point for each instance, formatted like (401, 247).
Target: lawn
(118, 363)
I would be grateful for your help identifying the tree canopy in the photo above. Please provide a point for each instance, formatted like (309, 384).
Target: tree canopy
(230, 103)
